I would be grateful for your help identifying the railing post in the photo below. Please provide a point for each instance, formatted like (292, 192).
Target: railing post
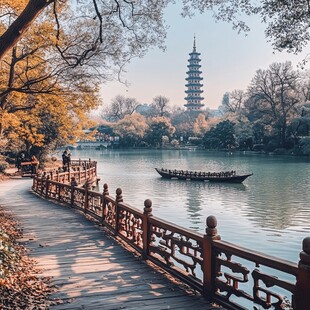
(118, 199)
(104, 203)
(34, 182)
(58, 190)
(209, 257)
(146, 232)
(73, 184)
(302, 296)
(47, 186)
(79, 174)
(43, 179)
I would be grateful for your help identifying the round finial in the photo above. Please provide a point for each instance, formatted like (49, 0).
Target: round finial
(105, 189)
(119, 197)
(148, 203)
(211, 221)
(148, 206)
(306, 245)
(211, 226)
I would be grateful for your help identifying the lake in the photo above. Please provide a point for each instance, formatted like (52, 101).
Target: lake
(269, 212)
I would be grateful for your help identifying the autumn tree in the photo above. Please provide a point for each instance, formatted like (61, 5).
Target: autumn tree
(200, 125)
(159, 127)
(129, 27)
(131, 129)
(189, 123)
(40, 105)
(120, 107)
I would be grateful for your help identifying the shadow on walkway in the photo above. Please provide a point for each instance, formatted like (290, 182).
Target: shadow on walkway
(90, 269)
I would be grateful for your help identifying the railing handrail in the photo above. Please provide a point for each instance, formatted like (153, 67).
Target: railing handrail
(257, 257)
(183, 252)
(176, 228)
(128, 207)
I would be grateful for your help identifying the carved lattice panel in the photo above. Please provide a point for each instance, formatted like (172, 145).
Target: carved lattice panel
(95, 203)
(130, 226)
(110, 213)
(65, 194)
(52, 190)
(177, 250)
(246, 283)
(79, 197)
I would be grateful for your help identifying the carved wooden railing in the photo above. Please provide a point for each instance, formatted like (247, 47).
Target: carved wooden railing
(232, 276)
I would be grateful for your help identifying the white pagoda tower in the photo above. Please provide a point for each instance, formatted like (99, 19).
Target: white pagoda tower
(194, 91)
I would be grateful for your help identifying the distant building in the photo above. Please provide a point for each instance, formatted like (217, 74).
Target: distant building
(194, 91)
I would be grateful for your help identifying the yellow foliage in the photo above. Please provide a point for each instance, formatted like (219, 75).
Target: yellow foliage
(8, 120)
(200, 125)
(40, 102)
(13, 5)
(163, 121)
(134, 125)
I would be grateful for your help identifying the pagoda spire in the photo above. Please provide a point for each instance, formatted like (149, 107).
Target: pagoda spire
(194, 85)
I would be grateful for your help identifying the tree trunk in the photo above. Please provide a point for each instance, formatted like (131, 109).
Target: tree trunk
(21, 24)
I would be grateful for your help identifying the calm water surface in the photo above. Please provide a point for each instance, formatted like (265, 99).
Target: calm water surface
(269, 212)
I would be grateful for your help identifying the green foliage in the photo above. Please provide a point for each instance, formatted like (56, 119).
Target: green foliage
(287, 22)
(221, 136)
(158, 128)
(304, 146)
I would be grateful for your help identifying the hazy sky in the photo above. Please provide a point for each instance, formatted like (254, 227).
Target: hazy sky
(229, 61)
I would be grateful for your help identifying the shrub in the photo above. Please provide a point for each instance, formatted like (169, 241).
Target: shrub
(3, 165)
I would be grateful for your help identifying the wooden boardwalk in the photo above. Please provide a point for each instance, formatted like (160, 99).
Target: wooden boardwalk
(90, 269)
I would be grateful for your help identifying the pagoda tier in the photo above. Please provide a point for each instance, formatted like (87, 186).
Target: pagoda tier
(193, 84)
(194, 91)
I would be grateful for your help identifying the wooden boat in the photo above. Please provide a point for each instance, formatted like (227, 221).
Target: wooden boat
(228, 176)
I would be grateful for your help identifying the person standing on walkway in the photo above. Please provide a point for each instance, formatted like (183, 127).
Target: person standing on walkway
(34, 165)
(66, 160)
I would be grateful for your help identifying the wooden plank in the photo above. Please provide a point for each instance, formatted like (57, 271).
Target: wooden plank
(89, 267)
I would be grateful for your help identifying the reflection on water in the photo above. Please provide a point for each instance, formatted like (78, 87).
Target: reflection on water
(269, 212)
(194, 193)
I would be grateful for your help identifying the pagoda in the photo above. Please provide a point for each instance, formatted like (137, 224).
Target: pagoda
(194, 79)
